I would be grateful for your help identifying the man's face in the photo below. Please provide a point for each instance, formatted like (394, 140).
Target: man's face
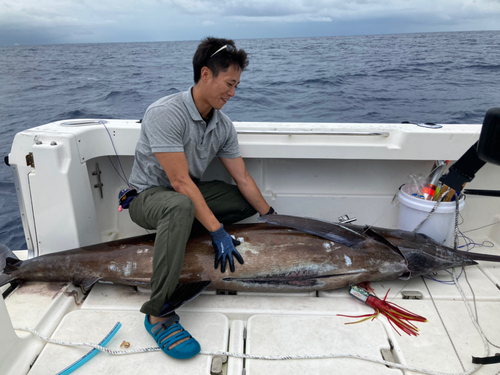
(222, 88)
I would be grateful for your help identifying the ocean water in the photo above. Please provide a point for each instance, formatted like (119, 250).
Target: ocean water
(451, 78)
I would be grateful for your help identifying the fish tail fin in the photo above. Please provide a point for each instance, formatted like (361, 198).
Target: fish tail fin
(9, 265)
(479, 256)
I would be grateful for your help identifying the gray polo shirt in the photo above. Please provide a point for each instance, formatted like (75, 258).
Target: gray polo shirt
(173, 124)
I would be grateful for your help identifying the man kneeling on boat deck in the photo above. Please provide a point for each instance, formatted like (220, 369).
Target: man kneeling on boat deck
(180, 135)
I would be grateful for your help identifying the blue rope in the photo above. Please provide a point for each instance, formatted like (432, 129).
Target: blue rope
(87, 357)
(118, 173)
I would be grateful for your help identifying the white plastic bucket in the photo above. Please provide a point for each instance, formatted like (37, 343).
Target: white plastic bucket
(440, 226)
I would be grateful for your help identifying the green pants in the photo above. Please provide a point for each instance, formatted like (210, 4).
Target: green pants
(172, 215)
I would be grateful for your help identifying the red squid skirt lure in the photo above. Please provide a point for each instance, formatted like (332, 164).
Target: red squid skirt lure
(398, 317)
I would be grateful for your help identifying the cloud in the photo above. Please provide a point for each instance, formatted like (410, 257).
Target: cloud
(294, 18)
(327, 10)
(243, 8)
(77, 21)
(69, 21)
(51, 15)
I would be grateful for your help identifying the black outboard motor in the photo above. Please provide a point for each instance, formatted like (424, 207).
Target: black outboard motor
(488, 147)
(486, 150)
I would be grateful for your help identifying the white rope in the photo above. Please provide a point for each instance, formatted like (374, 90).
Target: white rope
(471, 315)
(90, 345)
(444, 325)
(249, 356)
(484, 226)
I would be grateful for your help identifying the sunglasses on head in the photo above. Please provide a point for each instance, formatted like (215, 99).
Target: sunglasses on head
(228, 47)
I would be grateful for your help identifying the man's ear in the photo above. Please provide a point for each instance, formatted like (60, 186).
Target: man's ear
(206, 74)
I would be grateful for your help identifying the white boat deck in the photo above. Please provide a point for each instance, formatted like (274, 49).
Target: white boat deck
(301, 171)
(268, 325)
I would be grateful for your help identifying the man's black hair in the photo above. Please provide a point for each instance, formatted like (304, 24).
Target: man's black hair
(219, 62)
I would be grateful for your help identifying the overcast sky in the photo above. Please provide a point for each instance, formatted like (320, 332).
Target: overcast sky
(95, 21)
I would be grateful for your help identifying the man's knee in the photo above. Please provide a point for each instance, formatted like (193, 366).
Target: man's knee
(180, 205)
(154, 208)
(184, 204)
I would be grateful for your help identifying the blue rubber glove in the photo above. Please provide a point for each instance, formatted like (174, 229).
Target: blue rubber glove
(271, 211)
(224, 246)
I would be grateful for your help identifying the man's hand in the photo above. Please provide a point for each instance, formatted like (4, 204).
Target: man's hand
(224, 244)
(271, 211)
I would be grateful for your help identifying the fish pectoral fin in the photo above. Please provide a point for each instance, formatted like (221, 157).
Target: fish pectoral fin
(86, 284)
(183, 293)
(335, 232)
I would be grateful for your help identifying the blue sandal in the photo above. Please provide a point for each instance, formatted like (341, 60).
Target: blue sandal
(184, 350)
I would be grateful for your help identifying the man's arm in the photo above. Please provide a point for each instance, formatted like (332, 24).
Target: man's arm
(176, 167)
(238, 171)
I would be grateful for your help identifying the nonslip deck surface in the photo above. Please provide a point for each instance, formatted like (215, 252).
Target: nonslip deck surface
(211, 330)
(264, 324)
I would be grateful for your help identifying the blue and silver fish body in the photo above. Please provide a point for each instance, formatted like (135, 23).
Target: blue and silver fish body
(286, 254)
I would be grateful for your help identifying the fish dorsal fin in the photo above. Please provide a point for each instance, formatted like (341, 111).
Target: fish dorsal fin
(8, 260)
(183, 293)
(331, 231)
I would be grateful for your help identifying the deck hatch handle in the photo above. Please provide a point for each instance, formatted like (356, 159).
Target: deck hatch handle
(411, 295)
(216, 368)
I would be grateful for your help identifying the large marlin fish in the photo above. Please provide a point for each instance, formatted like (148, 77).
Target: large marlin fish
(290, 254)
